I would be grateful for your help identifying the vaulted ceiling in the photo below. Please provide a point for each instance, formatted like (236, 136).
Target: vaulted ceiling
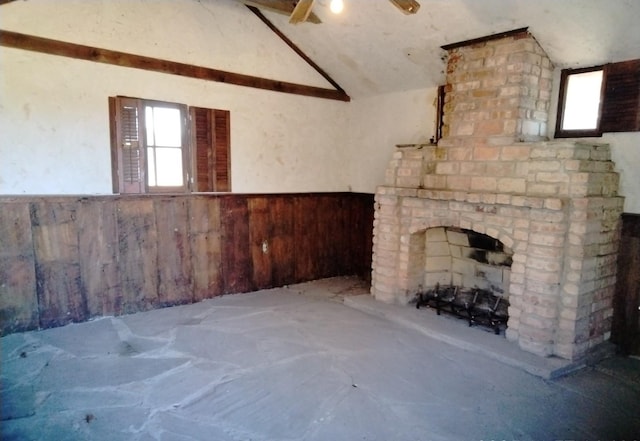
(373, 48)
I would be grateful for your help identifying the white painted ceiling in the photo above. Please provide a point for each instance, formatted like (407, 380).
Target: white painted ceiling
(372, 48)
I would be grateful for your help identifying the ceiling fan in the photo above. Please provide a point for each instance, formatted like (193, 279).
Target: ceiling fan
(300, 11)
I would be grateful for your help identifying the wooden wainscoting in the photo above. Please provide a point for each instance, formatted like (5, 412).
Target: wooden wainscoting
(626, 308)
(67, 259)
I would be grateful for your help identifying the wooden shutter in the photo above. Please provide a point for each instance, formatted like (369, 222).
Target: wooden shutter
(621, 105)
(222, 152)
(211, 145)
(127, 149)
(201, 137)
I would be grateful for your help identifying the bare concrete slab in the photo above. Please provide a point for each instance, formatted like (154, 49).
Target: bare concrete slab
(453, 331)
(296, 363)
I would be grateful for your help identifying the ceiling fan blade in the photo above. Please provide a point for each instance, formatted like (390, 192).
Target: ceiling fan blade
(301, 11)
(284, 7)
(406, 6)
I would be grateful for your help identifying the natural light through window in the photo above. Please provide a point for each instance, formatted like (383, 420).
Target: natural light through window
(582, 101)
(164, 146)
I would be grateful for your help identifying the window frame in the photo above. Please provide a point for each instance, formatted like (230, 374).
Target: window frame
(562, 97)
(216, 145)
(185, 147)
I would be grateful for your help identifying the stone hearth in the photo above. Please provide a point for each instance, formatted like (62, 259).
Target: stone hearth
(553, 205)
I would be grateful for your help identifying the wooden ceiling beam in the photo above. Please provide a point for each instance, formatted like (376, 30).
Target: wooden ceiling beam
(123, 59)
(406, 6)
(295, 48)
(284, 7)
(301, 11)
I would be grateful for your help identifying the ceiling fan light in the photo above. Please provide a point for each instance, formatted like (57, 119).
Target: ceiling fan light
(336, 6)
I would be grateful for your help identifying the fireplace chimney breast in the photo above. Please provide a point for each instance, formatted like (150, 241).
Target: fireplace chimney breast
(553, 204)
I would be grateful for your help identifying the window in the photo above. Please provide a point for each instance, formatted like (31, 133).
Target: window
(160, 147)
(582, 101)
(599, 99)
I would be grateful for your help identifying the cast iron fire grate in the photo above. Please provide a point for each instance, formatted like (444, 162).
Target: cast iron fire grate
(477, 306)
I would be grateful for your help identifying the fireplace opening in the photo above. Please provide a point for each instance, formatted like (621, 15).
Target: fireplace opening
(464, 273)
(464, 258)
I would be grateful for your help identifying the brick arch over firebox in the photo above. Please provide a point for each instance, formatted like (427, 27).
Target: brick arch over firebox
(536, 236)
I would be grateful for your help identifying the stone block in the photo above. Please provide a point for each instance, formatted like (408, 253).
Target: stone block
(462, 128)
(545, 166)
(503, 199)
(436, 235)
(474, 198)
(437, 249)
(515, 153)
(448, 168)
(438, 263)
(479, 183)
(459, 153)
(462, 266)
(486, 153)
(553, 204)
(457, 238)
(409, 182)
(458, 182)
(512, 185)
(473, 168)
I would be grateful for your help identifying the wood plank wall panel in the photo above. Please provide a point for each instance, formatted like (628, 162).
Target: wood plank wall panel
(98, 246)
(305, 237)
(65, 259)
(360, 232)
(18, 301)
(175, 282)
(259, 241)
(57, 264)
(138, 255)
(282, 246)
(323, 232)
(272, 241)
(626, 315)
(237, 266)
(206, 247)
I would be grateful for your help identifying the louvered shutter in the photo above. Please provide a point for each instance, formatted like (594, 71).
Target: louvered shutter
(211, 143)
(127, 146)
(621, 106)
(202, 151)
(222, 160)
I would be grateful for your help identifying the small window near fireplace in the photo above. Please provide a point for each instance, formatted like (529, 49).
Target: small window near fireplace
(580, 102)
(599, 100)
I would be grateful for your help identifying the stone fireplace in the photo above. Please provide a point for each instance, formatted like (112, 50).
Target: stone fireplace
(551, 207)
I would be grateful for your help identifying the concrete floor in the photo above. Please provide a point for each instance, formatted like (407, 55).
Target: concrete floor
(298, 363)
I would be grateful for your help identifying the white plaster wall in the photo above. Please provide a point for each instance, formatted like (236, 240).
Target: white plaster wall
(54, 112)
(625, 152)
(378, 124)
(54, 121)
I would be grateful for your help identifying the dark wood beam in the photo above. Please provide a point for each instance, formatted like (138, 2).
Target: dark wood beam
(295, 48)
(2, 2)
(123, 59)
(512, 33)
